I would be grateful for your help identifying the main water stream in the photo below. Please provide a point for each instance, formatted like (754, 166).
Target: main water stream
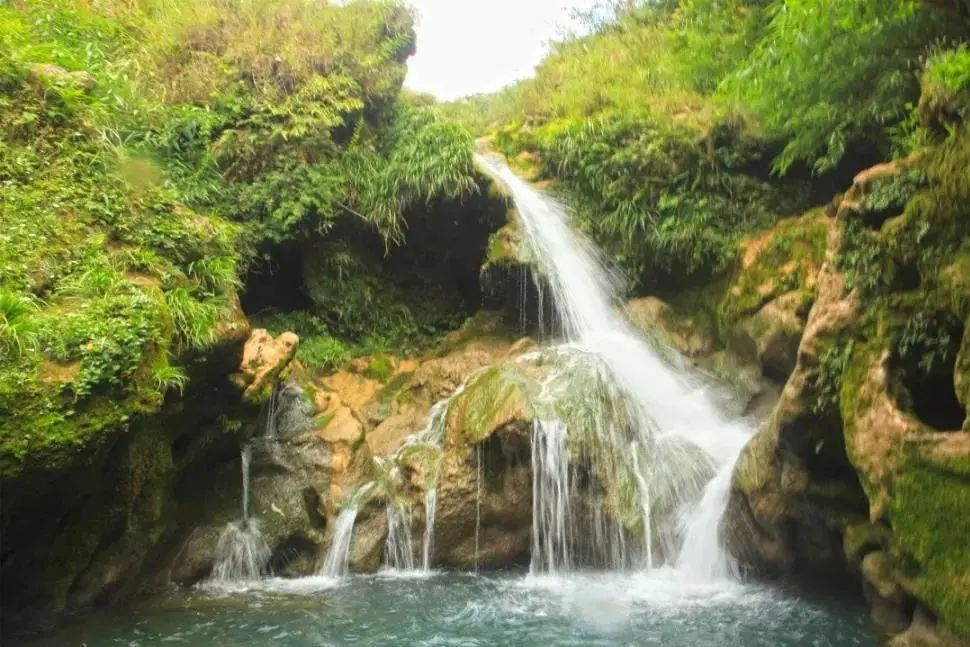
(653, 439)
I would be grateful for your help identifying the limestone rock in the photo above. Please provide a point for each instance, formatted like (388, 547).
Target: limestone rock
(196, 556)
(264, 359)
(776, 330)
(925, 631)
(50, 73)
(657, 319)
(789, 510)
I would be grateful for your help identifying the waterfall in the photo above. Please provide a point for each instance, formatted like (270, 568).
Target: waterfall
(242, 553)
(337, 562)
(695, 561)
(664, 449)
(427, 544)
(272, 412)
(246, 457)
(551, 545)
(399, 547)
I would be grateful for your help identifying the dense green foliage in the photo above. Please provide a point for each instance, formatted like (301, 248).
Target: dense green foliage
(663, 122)
(829, 75)
(667, 204)
(147, 150)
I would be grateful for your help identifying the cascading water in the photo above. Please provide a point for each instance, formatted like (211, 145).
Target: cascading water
(664, 445)
(423, 448)
(245, 460)
(551, 540)
(272, 412)
(427, 543)
(337, 562)
(242, 553)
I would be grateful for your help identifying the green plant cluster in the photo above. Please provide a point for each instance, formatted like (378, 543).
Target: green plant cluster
(668, 203)
(104, 271)
(923, 246)
(147, 150)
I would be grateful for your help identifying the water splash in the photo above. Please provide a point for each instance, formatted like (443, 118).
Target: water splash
(242, 553)
(682, 442)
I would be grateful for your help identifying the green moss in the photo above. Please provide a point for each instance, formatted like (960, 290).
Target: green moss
(395, 387)
(500, 395)
(324, 419)
(380, 368)
(781, 259)
(928, 515)
(505, 246)
(861, 538)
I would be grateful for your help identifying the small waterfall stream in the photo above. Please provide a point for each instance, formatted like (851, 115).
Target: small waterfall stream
(242, 553)
(665, 435)
(399, 547)
(245, 460)
(337, 562)
(430, 511)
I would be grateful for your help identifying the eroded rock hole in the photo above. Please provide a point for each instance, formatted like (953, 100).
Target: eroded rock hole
(924, 362)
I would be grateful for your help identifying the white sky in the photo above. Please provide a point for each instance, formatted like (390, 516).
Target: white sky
(471, 46)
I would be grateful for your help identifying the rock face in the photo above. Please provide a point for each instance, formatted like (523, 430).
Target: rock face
(865, 461)
(798, 485)
(290, 477)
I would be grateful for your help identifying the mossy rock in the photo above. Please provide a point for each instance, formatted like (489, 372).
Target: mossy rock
(501, 395)
(783, 259)
(930, 524)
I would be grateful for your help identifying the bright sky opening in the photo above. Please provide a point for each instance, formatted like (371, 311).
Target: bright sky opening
(469, 46)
